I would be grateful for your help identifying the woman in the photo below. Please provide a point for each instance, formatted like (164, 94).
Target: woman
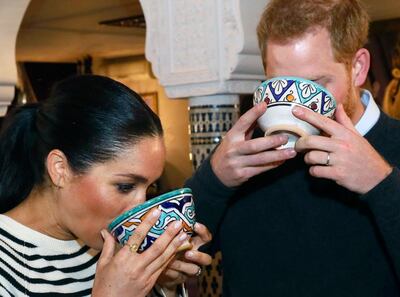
(68, 167)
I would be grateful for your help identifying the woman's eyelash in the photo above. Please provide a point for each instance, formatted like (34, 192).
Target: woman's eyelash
(125, 188)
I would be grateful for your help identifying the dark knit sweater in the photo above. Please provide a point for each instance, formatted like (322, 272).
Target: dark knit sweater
(285, 233)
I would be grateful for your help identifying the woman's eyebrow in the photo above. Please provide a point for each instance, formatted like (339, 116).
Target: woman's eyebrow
(136, 177)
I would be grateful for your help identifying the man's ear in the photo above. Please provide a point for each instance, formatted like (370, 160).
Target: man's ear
(57, 167)
(360, 67)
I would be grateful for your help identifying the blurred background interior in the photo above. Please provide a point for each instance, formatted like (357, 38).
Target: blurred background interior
(56, 39)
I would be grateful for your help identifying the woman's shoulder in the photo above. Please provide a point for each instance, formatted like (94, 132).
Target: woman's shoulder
(15, 237)
(13, 232)
(34, 262)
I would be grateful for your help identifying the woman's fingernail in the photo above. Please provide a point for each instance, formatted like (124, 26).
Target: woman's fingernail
(177, 224)
(103, 234)
(183, 236)
(155, 213)
(189, 254)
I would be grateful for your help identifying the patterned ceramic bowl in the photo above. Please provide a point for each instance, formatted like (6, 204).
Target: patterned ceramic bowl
(174, 205)
(281, 94)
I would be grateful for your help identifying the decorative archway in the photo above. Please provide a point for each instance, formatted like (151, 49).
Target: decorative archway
(11, 15)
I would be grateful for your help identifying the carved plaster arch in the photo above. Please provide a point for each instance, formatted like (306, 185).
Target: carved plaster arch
(200, 48)
(11, 15)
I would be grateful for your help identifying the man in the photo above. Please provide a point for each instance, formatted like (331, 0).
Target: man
(323, 219)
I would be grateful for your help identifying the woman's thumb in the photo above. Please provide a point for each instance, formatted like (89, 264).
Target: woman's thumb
(108, 248)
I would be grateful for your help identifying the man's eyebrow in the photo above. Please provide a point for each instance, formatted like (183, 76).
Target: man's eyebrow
(322, 77)
(135, 177)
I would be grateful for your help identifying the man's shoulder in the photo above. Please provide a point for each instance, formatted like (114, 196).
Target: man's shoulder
(390, 125)
(385, 137)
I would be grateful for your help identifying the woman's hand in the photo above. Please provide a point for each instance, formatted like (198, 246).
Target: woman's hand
(128, 273)
(187, 263)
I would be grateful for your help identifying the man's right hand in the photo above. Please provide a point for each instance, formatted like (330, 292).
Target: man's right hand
(238, 157)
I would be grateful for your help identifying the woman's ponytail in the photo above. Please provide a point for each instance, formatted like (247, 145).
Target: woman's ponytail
(20, 165)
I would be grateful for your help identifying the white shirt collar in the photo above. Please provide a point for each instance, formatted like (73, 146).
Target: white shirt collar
(371, 114)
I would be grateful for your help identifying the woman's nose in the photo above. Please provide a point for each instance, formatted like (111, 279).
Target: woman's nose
(137, 200)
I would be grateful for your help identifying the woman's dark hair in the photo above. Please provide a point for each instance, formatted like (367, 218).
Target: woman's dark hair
(89, 118)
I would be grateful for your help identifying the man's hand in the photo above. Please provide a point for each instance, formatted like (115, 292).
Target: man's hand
(239, 157)
(344, 155)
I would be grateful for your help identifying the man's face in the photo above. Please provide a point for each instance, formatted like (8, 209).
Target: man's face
(310, 56)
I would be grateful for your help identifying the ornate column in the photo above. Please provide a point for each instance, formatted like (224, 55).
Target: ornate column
(206, 51)
(210, 118)
(11, 14)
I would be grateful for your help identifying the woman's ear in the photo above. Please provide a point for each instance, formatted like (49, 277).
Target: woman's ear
(57, 167)
(360, 67)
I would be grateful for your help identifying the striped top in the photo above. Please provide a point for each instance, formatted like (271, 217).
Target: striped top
(34, 264)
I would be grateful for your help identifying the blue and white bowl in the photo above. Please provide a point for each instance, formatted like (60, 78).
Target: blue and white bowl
(281, 94)
(177, 205)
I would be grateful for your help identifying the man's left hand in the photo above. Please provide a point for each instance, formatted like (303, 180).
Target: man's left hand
(343, 155)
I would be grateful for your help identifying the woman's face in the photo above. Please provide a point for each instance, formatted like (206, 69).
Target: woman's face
(89, 202)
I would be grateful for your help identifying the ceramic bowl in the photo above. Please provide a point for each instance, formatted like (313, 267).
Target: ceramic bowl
(283, 93)
(174, 205)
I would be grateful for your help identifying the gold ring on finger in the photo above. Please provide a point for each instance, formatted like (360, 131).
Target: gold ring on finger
(133, 248)
(198, 272)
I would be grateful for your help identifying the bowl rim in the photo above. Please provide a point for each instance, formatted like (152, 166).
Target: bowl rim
(297, 78)
(154, 201)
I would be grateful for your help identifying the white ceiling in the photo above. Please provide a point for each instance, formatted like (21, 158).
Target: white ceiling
(66, 30)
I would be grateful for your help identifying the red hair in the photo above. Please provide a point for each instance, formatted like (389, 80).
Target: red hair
(347, 21)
